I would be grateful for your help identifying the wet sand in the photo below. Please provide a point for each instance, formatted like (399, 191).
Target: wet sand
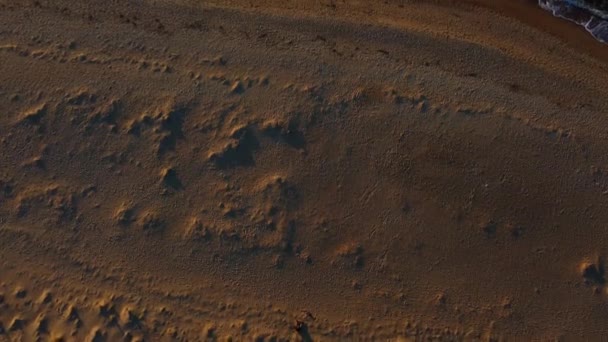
(528, 12)
(300, 170)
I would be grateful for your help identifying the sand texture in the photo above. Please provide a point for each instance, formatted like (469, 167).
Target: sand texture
(301, 171)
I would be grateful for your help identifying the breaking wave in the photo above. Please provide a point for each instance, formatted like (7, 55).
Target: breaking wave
(594, 20)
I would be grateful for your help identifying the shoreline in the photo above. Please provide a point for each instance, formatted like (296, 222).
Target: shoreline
(529, 13)
(525, 12)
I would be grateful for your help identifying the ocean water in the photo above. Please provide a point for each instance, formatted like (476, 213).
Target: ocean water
(592, 14)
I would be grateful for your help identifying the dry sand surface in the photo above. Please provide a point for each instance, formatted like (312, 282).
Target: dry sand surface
(301, 170)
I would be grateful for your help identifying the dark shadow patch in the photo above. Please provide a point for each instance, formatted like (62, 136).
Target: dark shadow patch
(239, 152)
(34, 116)
(170, 179)
(302, 329)
(290, 134)
(490, 229)
(171, 124)
(594, 273)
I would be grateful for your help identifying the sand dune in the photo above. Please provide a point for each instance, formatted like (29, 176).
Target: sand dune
(300, 170)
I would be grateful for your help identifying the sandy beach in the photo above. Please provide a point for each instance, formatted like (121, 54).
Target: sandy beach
(231, 170)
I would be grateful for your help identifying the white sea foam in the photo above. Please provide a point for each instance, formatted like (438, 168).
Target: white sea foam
(593, 23)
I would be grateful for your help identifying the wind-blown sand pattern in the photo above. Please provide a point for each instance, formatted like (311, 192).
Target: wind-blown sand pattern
(300, 170)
